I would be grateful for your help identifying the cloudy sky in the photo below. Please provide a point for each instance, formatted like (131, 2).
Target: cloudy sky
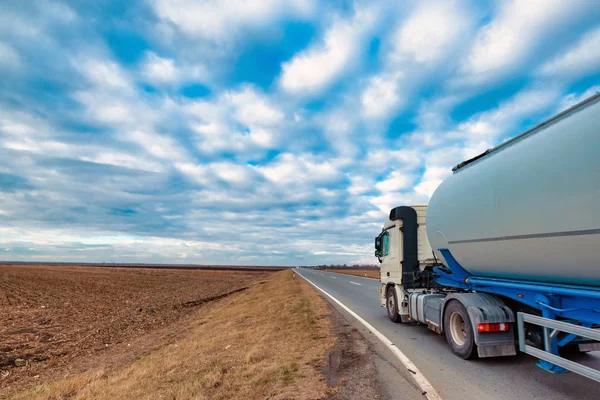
(265, 131)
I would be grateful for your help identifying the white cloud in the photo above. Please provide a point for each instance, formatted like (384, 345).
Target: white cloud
(573, 98)
(199, 173)
(104, 73)
(389, 200)
(359, 185)
(338, 164)
(160, 146)
(9, 56)
(380, 159)
(381, 97)
(395, 181)
(339, 125)
(159, 69)
(290, 169)
(115, 110)
(508, 40)
(238, 120)
(253, 109)
(583, 58)
(57, 11)
(432, 31)
(490, 125)
(120, 159)
(222, 19)
(233, 173)
(315, 69)
(478, 133)
(429, 35)
(431, 179)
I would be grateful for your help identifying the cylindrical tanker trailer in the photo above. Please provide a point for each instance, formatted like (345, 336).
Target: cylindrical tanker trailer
(530, 208)
(505, 254)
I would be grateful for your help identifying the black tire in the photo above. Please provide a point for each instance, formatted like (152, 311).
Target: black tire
(391, 301)
(459, 331)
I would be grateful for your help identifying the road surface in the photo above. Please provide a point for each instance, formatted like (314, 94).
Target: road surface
(503, 378)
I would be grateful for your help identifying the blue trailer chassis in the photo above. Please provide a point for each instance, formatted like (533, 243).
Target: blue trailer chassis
(578, 305)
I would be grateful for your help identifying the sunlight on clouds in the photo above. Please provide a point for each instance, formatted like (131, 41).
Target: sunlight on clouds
(432, 30)
(360, 185)
(491, 124)
(428, 35)
(431, 179)
(197, 172)
(583, 59)
(233, 173)
(318, 67)
(158, 145)
(239, 120)
(395, 181)
(389, 200)
(380, 97)
(288, 168)
(104, 73)
(508, 40)
(573, 98)
(253, 109)
(220, 19)
(159, 69)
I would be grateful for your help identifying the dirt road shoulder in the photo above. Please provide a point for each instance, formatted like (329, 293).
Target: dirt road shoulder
(362, 367)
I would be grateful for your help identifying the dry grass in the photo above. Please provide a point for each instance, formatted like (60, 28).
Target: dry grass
(369, 273)
(267, 342)
(57, 319)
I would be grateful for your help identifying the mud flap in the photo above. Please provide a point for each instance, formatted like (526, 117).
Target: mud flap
(485, 308)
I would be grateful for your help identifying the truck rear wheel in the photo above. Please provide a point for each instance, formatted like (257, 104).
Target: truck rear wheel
(458, 329)
(392, 304)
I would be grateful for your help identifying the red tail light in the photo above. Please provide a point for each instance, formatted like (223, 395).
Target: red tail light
(489, 327)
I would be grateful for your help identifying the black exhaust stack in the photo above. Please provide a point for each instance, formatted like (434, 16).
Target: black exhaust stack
(410, 255)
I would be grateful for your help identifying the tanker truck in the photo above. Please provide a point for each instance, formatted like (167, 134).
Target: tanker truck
(505, 256)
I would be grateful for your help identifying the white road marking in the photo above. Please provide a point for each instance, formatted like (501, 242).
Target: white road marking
(424, 384)
(354, 283)
(333, 277)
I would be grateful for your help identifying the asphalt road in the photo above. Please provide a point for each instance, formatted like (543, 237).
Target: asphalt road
(504, 378)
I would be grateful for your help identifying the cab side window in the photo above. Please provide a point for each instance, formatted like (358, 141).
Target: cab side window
(386, 244)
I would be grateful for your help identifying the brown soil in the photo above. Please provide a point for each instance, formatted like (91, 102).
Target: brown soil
(350, 365)
(267, 342)
(368, 273)
(57, 320)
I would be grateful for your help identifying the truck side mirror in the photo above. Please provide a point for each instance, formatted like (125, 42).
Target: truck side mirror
(378, 246)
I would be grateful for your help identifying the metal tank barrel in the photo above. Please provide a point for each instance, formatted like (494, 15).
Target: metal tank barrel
(530, 208)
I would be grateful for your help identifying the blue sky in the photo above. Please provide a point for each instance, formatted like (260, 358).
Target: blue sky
(261, 132)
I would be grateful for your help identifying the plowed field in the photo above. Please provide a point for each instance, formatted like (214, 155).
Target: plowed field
(53, 318)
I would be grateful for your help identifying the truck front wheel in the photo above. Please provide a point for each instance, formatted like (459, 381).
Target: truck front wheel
(392, 304)
(458, 329)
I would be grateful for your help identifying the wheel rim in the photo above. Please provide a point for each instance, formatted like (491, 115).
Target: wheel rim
(457, 329)
(391, 303)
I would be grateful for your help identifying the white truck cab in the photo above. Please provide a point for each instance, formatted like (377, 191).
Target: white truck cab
(403, 256)
(409, 292)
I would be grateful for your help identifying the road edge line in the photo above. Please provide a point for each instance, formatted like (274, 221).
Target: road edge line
(425, 386)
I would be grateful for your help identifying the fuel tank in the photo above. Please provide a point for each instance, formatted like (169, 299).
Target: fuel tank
(530, 208)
